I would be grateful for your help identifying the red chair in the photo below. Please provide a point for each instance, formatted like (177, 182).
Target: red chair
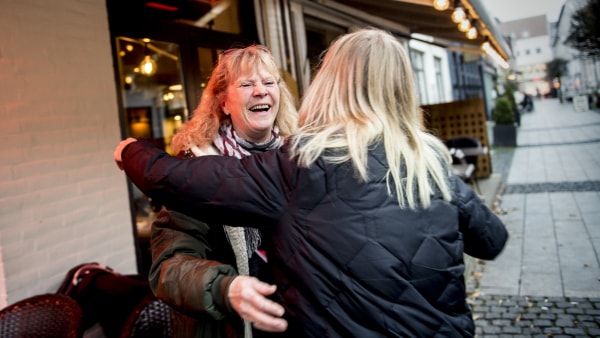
(43, 316)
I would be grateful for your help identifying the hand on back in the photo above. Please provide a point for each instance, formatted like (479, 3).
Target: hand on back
(247, 296)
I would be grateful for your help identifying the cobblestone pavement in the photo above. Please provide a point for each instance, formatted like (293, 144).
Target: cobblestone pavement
(552, 187)
(512, 316)
(515, 315)
(521, 316)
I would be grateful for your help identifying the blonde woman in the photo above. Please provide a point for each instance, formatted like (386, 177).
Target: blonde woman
(368, 224)
(203, 269)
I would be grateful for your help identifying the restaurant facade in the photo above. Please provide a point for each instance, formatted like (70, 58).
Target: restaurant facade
(77, 76)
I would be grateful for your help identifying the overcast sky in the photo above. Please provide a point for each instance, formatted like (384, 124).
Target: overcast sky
(508, 10)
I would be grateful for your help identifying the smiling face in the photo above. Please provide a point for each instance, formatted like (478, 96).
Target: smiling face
(252, 101)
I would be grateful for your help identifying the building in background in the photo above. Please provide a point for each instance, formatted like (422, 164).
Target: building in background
(583, 71)
(530, 40)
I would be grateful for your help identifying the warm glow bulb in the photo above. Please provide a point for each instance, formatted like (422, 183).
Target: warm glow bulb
(148, 66)
(489, 50)
(472, 33)
(441, 5)
(458, 15)
(464, 25)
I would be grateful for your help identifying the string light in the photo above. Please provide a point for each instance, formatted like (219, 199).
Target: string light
(458, 14)
(489, 50)
(464, 25)
(441, 5)
(468, 26)
(472, 33)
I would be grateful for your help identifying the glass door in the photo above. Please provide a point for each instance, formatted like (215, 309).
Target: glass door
(151, 88)
(154, 105)
(163, 59)
(154, 100)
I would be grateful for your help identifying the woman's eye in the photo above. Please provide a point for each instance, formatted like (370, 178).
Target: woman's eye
(270, 83)
(245, 84)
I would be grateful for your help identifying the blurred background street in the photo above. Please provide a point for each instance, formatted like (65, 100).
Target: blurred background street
(546, 282)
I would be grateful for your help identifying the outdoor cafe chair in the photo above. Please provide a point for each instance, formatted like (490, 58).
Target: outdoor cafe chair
(42, 316)
(463, 169)
(471, 147)
(152, 318)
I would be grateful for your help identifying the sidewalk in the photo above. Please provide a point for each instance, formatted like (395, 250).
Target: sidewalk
(546, 282)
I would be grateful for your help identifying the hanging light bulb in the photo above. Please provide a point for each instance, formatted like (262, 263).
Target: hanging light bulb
(472, 33)
(464, 25)
(486, 44)
(441, 5)
(458, 14)
(148, 66)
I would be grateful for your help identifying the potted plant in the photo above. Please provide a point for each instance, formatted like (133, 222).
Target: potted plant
(505, 130)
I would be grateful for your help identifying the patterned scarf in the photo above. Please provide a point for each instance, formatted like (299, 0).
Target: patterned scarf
(230, 143)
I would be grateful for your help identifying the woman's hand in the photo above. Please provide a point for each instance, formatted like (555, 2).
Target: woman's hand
(247, 297)
(119, 150)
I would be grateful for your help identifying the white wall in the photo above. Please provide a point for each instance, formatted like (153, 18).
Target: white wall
(539, 50)
(62, 202)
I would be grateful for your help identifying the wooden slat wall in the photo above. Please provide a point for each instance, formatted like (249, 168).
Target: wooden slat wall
(461, 118)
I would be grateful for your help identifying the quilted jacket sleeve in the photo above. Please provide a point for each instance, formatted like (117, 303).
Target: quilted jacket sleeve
(484, 233)
(180, 275)
(221, 189)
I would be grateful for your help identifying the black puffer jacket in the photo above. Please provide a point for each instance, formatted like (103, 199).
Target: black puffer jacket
(348, 261)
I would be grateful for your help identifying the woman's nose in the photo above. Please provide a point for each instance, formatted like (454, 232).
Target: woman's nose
(260, 90)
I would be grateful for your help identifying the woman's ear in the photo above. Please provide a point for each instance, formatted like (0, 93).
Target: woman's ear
(224, 107)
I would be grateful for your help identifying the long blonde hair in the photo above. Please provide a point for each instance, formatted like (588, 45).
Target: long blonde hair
(201, 129)
(363, 94)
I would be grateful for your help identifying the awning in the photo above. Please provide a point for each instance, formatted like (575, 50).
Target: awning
(419, 17)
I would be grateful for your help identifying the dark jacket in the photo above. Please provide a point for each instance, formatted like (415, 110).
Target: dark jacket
(192, 267)
(347, 259)
(188, 275)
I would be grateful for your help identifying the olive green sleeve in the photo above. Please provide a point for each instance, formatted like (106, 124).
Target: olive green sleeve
(180, 274)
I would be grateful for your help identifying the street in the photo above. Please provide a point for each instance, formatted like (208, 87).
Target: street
(546, 282)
